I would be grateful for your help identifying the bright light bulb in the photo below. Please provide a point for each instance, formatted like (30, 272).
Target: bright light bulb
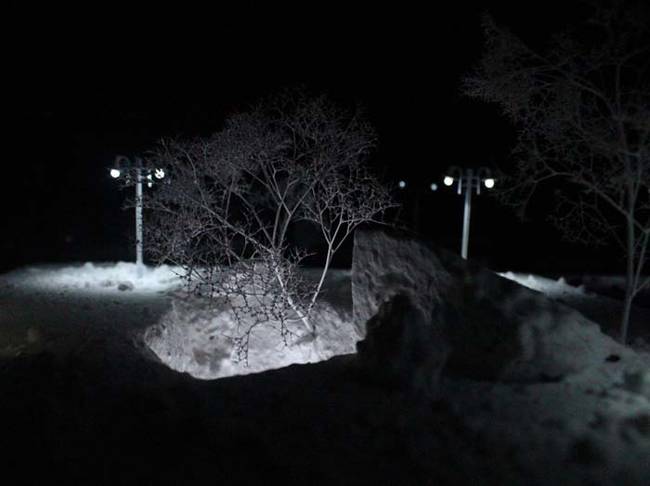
(489, 183)
(401, 184)
(115, 173)
(448, 180)
(434, 186)
(159, 173)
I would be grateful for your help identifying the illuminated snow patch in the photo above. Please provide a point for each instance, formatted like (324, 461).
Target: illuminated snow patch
(547, 286)
(196, 338)
(96, 277)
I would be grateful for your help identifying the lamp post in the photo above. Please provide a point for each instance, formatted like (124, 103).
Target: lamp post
(468, 180)
(133, 172)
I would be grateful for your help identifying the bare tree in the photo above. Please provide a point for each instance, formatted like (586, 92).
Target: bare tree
(582, 113)
(233, 197)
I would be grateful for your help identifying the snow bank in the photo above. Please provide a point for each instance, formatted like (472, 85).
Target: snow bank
(383, 267)
(399, 348)
(200, 337)
(497, 329)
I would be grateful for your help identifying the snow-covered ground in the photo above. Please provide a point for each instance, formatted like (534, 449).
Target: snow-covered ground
(548, 286)
(54, 307)
(85, 402)
(586, 298)
(99, 277)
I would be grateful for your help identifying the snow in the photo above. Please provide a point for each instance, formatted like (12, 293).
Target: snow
(384, 266)
(587, 298)
(84, 401)
(100, 277)
(55, 307)
(400, 350)
(200, 338)
(496, 330)
(550, 287)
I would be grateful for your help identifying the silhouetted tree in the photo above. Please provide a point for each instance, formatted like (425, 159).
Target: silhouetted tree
(582, 113)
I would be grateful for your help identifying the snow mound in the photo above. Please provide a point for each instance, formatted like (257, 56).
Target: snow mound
(202, 337)
(497, 329)
(383, 266)
(509, 333)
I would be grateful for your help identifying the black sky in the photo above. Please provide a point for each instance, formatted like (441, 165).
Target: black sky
(87, 84)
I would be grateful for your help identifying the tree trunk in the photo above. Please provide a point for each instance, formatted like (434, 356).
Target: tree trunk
(319, 287)
(304, 318)
(629, 280)
(625, 320)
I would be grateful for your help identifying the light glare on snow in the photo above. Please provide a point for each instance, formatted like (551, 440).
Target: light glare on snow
(101, 278)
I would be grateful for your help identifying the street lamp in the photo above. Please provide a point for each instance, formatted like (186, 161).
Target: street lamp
(468, 180)
(133, 172)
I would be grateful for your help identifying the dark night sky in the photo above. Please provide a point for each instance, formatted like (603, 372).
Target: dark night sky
(87, 85)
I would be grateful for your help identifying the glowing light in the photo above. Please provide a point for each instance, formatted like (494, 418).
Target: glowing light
(434, 186)
(115, 173)
(159, 173)
(489, 183)
(448, 180)
(401, 184)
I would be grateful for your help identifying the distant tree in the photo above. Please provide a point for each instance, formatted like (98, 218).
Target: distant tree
(225, 215)
(582, 113)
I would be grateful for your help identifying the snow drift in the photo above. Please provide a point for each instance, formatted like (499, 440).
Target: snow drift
(497, 329)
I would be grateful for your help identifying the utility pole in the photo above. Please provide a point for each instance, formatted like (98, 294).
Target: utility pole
(467, 212)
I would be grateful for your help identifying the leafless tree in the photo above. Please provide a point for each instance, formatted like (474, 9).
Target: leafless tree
(582, 113)
(232, 198)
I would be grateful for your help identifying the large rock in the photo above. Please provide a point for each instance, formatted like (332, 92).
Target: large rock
(497, 329)
(402, 349)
